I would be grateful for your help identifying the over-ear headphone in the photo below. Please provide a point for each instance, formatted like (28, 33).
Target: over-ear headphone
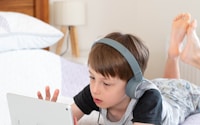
(134, 82)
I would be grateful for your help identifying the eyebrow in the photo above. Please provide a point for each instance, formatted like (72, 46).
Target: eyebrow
(90, 72)
(103, 77)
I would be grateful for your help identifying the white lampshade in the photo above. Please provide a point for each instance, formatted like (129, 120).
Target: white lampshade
(69, 13)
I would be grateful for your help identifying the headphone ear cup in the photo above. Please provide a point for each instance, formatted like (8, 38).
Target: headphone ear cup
(131, 87)
(133, 83)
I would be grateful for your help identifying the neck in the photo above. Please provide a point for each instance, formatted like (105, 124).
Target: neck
(115, 113)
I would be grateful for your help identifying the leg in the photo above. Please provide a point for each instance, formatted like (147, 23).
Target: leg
(179, 29)
(191, 52)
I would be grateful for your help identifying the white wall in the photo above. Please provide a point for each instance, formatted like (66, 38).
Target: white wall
(150, 20)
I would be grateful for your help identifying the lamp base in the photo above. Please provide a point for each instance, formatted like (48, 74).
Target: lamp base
(74, 41)
(73, 38)
(61, 41)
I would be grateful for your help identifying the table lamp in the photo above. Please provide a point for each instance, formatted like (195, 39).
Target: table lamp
(69, 14)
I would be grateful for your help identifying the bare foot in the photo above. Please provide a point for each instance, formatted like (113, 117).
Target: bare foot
(179, 29)
(191, 52)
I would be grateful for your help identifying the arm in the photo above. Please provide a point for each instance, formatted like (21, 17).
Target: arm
(148, 110)
(76, 111)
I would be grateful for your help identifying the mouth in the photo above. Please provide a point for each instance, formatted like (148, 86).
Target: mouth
(97, 101)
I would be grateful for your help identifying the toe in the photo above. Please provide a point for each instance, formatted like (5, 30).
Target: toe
(187, 17)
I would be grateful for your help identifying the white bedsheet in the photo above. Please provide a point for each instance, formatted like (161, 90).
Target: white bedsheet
(25, 72)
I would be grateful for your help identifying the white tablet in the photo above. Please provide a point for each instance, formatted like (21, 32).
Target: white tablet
(32, 111)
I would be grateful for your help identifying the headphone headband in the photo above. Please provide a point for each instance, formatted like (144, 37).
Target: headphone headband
(126, 54)
(133, 83)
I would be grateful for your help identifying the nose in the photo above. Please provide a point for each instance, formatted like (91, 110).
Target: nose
(95, 88)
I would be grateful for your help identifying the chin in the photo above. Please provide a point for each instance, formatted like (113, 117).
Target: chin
(102, 106)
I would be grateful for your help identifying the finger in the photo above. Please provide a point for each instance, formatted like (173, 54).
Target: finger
(39, 95)
(48, 95)
(55, 95)
(75, 121)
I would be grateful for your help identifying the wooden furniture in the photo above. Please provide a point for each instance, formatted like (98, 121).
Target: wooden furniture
(74, 41)
(73, 38)
(35, 8)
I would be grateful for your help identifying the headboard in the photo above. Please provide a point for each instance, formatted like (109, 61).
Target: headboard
(35, 8)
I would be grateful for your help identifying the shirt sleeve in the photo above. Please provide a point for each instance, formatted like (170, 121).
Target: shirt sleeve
(85, 101)
(149, 108)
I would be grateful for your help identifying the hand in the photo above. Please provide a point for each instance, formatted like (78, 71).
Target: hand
(48, 94)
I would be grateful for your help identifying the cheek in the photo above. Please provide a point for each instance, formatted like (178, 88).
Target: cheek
(91, 87)
(113, 98)
(115, 93)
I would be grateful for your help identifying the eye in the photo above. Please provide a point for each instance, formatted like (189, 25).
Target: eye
(91, 77)
(106, 84)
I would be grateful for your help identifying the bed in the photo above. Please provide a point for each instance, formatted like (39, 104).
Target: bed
(26, 67)
(35, 8)
(27, 71)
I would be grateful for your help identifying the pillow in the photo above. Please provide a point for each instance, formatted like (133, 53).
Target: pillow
(21, 31)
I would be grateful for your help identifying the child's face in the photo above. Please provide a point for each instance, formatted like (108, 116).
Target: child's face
(107, 92)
